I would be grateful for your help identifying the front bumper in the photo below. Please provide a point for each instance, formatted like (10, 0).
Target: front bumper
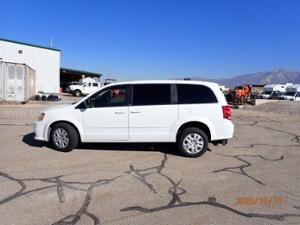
(40, 131)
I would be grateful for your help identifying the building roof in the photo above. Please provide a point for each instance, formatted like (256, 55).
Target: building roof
(32, 45)
(79, 72)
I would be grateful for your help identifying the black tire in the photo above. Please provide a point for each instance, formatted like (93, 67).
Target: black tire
(77, 93)
(71, 134)
(190, 131)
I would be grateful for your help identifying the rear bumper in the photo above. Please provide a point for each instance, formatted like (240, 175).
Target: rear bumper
(224, 131)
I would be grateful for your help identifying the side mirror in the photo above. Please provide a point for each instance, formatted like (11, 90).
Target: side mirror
(88, 103)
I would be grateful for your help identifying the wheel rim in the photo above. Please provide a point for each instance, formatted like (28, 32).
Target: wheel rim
(61, 138)
(193, 143)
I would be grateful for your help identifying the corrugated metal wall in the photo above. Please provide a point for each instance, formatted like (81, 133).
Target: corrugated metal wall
(45, 62)
(2, 68)
(30, 82)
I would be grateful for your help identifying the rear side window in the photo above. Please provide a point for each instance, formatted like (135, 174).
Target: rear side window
(95, 84)
(192, 94)
(151, 94)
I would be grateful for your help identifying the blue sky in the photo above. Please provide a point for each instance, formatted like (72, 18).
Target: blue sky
(153, 39)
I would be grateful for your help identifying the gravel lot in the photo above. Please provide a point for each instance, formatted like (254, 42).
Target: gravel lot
(253, 180)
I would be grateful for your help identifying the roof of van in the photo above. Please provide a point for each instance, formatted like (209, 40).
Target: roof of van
(275, 85)
(294, 86)
(206, 83)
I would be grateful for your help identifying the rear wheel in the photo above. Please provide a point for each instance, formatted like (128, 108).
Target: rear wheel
(64, 137)
(193, 142)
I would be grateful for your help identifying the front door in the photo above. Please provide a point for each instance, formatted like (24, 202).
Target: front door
(106, 117)
(297, 96)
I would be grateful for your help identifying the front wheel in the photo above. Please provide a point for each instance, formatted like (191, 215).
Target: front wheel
(77, 93)
(193, 142)
(64, 137)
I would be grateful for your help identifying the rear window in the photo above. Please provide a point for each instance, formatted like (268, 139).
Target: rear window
(152, 94)
(192, 94)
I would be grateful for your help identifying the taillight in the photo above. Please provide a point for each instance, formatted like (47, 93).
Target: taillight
(226, 112)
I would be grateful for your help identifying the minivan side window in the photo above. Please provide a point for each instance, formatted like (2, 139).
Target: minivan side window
(151, 94)
(95, 84)
(192, 94)
(110, 97)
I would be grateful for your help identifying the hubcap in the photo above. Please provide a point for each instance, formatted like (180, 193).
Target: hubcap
(61, 138)
(193, 143)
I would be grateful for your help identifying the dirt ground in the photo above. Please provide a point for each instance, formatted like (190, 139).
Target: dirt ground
(252, 180)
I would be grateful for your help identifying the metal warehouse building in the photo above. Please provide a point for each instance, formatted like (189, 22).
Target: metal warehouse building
(45, 61)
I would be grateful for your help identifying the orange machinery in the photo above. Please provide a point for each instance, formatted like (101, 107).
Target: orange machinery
(239, 95)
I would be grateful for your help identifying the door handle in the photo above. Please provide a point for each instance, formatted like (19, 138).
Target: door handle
(119, 112)
(134, 112)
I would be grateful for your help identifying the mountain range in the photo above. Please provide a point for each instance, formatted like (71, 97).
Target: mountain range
(278, 76)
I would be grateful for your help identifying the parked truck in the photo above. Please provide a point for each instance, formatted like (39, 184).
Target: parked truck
(292, 93)
(85, 86)
(274, 90)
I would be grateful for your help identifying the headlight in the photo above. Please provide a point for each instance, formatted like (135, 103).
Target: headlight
(41, 116)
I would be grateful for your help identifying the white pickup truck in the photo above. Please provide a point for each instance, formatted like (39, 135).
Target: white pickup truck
(85, 86)
(270, 89)
(292, 93)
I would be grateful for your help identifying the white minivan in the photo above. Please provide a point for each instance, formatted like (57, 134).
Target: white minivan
(189, 113)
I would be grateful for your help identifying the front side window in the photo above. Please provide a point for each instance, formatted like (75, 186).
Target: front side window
(290, 93)
(151, 94)
(110, 97)
(192, 94)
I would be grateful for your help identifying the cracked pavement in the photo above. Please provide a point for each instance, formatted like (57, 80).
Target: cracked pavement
(145, 184)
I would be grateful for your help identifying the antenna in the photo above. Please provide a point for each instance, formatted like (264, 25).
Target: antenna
(51, 42)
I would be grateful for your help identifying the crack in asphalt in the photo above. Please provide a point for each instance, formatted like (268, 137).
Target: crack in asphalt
(295, 137)
(262, 144)
(212, 201)
(141, 174)
(267, 119)
(176, 191)
(83, 210)
(60, 185)
(241, 168)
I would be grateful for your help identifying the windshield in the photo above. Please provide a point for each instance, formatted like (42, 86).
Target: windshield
(267, 92)
(275, 93)
(290, 93)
